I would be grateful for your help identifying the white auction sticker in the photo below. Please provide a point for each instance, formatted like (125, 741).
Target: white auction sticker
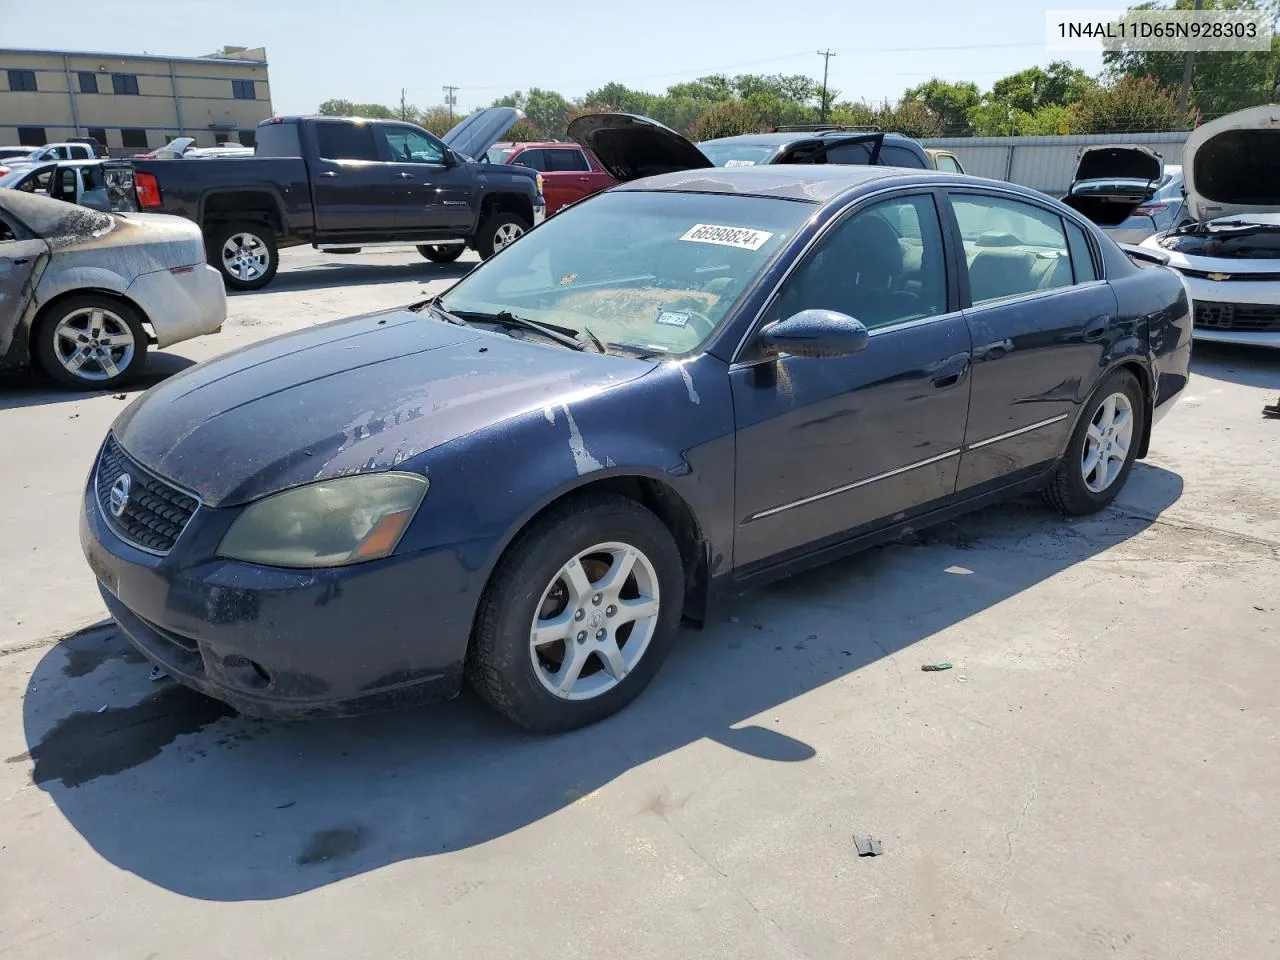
(739, 163)
(742, 237)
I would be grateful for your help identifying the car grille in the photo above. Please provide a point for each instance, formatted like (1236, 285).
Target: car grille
(155, 512)
(1243, 317)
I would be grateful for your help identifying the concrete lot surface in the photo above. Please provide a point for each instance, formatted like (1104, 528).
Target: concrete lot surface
(1095, 778)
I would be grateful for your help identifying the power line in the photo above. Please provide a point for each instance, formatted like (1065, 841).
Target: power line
(450, 99)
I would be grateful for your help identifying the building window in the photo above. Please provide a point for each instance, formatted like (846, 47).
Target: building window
(249, 138)
(99, 134)
(88, 82)
(220, 138)
(31, 136)
(243, 90)
(133, 139)
(125, 83)
(22, 81)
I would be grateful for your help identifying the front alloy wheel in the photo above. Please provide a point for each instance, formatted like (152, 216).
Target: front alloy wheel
(595, 621)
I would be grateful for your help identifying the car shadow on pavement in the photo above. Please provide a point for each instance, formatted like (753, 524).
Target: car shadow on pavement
(340, 274)
(171, 786)
(29, 388)
(1247, 366)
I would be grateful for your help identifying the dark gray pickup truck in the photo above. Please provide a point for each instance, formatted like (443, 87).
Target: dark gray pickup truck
(341, 184)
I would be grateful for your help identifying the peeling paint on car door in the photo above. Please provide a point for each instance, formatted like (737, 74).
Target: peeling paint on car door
(21, 263)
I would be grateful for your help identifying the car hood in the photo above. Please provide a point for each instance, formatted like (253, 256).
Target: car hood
(353, 396)
(1229, 166)
(475, 134)
(631, 147)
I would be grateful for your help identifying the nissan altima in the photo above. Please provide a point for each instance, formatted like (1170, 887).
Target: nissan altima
(676, 389)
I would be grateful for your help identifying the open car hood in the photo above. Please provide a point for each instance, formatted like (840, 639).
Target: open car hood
(481, 130)
(1229, 165)
(631, 147)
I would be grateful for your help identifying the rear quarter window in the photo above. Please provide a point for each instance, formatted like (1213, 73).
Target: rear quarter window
(894, 156)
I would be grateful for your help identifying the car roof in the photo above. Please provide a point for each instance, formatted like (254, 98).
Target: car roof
(539, 144)
(815, 183)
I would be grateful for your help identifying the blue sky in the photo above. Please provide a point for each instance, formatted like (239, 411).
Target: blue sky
(366, 52)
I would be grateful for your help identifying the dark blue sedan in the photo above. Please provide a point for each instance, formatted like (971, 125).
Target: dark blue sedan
(676, 389)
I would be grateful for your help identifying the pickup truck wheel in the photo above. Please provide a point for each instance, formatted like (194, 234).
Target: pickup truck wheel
(91, 342)
(245, 254)
(442, 253)
(501, 230)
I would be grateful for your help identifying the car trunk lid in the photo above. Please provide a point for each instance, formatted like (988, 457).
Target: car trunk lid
(1112, 182)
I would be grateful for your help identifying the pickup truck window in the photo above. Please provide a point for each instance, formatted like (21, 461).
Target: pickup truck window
(345, 141)
(278, 140)
(559, 161)
(407, 145)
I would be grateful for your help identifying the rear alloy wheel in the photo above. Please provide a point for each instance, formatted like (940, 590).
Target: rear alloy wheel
(442, 252)
(498, 232)
(245, 254)
(91, 343)
(578, 616)
(1103, 448)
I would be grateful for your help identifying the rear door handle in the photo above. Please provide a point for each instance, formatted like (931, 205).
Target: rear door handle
(1098, 327)
(585, 179)
(328, 173)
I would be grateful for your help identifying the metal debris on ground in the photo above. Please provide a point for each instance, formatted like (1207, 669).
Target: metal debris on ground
(1272, 410)
(156, 675)
(934, 667)
(103, 708)
(867, 846)
(120, 396)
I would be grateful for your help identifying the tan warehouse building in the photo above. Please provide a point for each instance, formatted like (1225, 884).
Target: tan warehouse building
(129, 102)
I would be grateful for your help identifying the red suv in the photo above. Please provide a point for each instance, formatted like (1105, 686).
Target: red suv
(569, 173)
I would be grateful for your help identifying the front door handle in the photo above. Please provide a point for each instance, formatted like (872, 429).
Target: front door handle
(948, 374)
(328, 173)
(405, 176)
(1097, 328)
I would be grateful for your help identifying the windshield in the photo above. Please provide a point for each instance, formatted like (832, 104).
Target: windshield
(737, 154)
(649, 273)
(499, 154)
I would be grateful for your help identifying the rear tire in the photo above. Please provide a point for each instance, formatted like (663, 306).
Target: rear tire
(1102, 449)
(244, 253)
(532, 588)
(91, 342)
(442, 253)
(498, 232)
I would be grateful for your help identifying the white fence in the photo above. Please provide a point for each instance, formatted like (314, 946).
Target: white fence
(1045, 163)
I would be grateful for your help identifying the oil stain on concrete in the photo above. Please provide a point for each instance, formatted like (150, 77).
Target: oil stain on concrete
(94, 646)
(87, 744)
(329, 845)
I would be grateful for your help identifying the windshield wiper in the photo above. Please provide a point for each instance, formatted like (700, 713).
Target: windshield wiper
(505, 318)
(595, 341)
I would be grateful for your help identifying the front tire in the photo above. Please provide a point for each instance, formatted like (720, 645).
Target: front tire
(442, 253)
(578, 616)
(502, 229)
(1102, 449)
(244, 253)
(91, 342)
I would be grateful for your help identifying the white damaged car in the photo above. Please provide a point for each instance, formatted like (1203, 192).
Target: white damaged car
(83, 294)
(1229, 252)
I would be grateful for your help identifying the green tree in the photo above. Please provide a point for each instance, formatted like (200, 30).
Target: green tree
(1222, 82)
(909, 117)
(1058, 84)
(546, 111)
(622, 99)
(345, 108)
(1132, 104)
(950, 101)
(727, 119)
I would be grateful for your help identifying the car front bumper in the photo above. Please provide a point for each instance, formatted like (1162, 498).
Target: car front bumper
(1250, 293)
(287, 643)
(539, 213)
(181, 304)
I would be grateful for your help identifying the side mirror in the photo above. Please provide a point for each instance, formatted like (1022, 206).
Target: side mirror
(814, 333)
(451, 159)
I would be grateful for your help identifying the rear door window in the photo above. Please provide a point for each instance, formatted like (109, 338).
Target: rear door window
(1012, 248)
(948, 163)
(345, 141)
(566, 161)
(891, 156)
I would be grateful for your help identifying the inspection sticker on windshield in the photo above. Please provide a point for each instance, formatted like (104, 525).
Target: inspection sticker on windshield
(673, 319)
(742, 237)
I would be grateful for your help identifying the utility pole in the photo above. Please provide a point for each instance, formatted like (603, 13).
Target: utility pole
(450, 99)
(826, 56)
(1188, 66)
(404, 113)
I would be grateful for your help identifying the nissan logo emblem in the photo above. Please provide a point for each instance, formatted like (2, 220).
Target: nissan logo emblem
(119, 496)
